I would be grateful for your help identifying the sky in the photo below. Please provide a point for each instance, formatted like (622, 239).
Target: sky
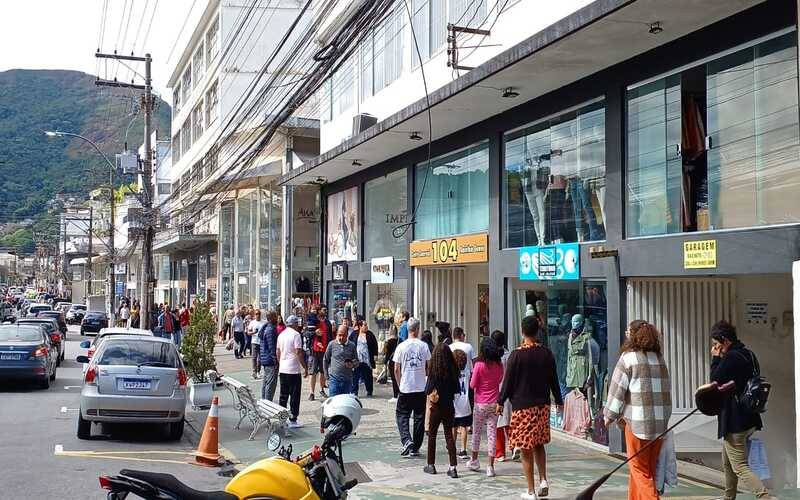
(64, 34)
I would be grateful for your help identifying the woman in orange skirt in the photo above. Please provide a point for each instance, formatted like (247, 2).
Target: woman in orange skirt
(529, 382)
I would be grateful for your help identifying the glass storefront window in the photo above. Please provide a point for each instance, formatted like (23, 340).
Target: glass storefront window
(716, 146)
(202, 275)
(383, 303)
(163, 267)
(244, 233)
(226, 254)
(454, 193)
(342, 303)
(554, 179)
(385, 207)
(581, 355)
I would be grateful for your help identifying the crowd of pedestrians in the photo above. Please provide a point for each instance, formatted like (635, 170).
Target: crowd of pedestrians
(498, 393)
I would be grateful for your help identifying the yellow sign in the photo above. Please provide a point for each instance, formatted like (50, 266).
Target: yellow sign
(700, 254)
(466, 249)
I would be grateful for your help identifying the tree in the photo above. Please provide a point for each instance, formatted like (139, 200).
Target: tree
(197, 346)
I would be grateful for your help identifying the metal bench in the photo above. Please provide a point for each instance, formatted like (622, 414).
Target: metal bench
(260, 412)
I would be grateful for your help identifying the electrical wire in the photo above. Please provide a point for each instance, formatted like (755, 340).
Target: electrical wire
(149, 25)
(183, 27)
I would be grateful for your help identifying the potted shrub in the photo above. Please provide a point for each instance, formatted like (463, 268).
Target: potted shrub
(197, 350)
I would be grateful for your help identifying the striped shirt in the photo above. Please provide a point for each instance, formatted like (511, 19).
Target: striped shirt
(640, 392)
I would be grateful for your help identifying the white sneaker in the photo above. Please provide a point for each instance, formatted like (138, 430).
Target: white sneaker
(393, 400)
(544, 490)
(528, 496)
(490, 471)
(295, 425)
(474, 465)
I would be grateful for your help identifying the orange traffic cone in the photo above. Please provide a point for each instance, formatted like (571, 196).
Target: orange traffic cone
(208, 451)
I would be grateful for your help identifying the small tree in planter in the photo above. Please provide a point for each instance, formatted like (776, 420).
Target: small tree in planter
(197, 350)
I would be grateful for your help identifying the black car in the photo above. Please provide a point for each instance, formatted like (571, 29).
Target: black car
(27, 352)
(59, 317)
(93, 321)
(58, 340)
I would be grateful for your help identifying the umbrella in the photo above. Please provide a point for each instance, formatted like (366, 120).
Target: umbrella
(708, 399)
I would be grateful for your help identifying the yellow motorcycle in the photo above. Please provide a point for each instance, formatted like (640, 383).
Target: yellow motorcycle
(317, 474)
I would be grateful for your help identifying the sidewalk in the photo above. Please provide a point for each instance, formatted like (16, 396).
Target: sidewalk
(376, 449)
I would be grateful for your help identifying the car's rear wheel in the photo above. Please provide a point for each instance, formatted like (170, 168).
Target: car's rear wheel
(82, 332)
(175, 430)
(84, 427)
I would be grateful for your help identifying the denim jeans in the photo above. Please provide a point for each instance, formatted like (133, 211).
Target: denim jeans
(238, 350)
(362, 372)
(407, 404)
(177, 337)
(338, 386)
(270, 382)
(582, 203)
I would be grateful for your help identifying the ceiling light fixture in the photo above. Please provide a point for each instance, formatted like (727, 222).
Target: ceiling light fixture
(415, 136)
(510, 93)
(356, 163)
(656, 28)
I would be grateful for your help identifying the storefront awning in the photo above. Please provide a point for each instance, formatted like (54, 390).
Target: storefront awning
(183, 242)
(600, 35)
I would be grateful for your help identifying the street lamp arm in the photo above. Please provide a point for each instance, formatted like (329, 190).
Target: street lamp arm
(58, 133)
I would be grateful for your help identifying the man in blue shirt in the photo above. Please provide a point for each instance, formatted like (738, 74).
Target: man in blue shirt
(402, 334)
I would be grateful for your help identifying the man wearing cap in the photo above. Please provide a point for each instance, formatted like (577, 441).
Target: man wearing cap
(340, 359)
(291, 361)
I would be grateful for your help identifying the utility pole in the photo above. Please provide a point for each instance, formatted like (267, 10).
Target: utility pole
(88, 275)
(147, 188)
(112, 277)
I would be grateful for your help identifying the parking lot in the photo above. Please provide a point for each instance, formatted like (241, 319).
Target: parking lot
(43, 458)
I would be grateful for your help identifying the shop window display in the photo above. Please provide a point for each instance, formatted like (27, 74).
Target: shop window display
(554, 179)
(716, 146)
(385, 207)
(384, 301)
(575, 329)
(343, 303)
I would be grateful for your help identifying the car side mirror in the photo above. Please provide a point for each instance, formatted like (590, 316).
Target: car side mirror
(82, 359)
(85, 344)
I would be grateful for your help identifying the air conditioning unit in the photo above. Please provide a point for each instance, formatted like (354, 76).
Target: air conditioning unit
(362, 122)
(128, 162)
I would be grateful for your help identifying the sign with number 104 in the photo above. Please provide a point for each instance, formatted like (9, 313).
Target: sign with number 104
(456, 250)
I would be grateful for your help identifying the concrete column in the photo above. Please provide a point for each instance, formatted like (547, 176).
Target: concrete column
(796, 307)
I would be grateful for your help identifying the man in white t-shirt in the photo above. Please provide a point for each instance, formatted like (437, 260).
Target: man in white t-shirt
(291, 360)
(411, 369)
(252, 331)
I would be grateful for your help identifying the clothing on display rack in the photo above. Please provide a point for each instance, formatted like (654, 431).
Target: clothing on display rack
(383, 312)
(535, 197)
(577, 417)
(582, 206)
(557, 197)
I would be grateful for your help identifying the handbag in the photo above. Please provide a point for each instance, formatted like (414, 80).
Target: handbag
(431, 400)
(229, 345)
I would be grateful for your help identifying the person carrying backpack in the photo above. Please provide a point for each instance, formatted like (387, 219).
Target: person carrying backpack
(740, 416)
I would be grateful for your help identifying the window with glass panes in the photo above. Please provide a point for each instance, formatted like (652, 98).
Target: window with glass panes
(197, 121)
(198, 64)
(186, 83)
(212, 46)
(211, 105)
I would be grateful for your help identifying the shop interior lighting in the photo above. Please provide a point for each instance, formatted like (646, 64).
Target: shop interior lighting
(510, 93)
(656, 28)
(415, 136)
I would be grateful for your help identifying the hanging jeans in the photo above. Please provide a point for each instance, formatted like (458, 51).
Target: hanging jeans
(582, 204)
(536, 198)
(558, 219)
(408, 403)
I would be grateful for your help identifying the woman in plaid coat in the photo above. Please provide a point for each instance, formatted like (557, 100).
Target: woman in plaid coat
(639, 399)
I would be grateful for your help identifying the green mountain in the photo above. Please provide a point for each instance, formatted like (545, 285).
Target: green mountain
(34, 167)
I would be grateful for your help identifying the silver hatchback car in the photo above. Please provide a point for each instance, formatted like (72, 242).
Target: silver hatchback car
(133, 378)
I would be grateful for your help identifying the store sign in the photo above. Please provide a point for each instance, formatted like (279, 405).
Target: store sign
(382, 270)
(550, 263)
(700, 254)
(339, 271)
(465, 249)
(131, 285)
(121, 268)
(120, 288)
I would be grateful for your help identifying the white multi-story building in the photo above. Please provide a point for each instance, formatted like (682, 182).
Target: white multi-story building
(224, 229)
(384, 75)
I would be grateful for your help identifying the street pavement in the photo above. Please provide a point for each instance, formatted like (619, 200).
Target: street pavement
(376, 450)
(41, 457)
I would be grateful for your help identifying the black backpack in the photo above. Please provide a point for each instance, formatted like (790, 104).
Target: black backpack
(753, 397)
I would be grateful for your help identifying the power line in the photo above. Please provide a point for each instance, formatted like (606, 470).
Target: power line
(185, 21)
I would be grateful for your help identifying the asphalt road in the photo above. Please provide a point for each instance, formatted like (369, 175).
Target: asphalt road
(41, 457)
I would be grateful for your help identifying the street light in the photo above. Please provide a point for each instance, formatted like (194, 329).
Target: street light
(113, 168)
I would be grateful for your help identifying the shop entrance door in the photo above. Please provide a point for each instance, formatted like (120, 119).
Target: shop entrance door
(683, 310)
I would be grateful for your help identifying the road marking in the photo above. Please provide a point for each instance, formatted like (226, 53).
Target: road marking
(64, 409)
(124, 455)
(59, 449)
(67, 387)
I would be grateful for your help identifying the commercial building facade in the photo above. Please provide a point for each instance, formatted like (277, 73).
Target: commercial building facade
(634, 160)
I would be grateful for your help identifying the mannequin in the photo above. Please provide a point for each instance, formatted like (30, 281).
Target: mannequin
(579, 354)
(541, 314)
(529, 311)
(383, 311)
(535, 192)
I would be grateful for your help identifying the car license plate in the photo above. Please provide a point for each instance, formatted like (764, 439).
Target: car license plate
(135, 384)
(12, 356)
